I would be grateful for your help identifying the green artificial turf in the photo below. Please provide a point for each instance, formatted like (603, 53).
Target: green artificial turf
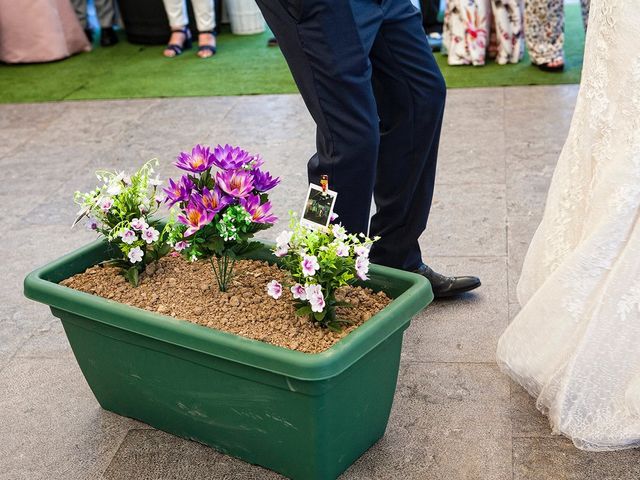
(244, 65)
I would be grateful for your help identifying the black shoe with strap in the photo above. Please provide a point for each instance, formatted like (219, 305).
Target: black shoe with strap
(207, 48)
(108, 37)
(186, 45)
(447, 286)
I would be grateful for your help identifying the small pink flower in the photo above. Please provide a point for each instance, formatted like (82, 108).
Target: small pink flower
(93, 224)
(128, 236)
(334, 216)
(138, 224)
(274, 289)
(299, 292)
(106, 204)
(342, 250)
(281, 251)
(315, 298)
(362, 268)
(362, 251)
(135, 255)
(309, 265)
(150, 235)
(339, 232)
(181, 245)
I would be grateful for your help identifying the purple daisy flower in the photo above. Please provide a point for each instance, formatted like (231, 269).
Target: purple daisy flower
(195, 217)
(213, 200)
(237, 183)
(178, 191)
(263, 181)
(230, 158)
(259, 213)
(198, 161)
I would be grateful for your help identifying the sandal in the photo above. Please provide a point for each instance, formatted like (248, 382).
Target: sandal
(547, 67)
(176, 48)
(207, 48)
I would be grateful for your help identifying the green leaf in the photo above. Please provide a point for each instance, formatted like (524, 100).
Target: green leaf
(303, 311)
(319, 316)
(132, 276)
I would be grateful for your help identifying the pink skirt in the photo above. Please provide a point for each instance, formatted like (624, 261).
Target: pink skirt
(39, 31)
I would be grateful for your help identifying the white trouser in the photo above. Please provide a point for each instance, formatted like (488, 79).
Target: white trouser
(202, 9)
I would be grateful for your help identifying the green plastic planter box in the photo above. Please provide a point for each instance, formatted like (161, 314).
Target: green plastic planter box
(307, 416)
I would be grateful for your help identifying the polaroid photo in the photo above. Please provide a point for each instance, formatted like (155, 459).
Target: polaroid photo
(318, 207)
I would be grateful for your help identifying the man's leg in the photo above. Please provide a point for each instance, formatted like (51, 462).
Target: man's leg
(410, 94)
(327, 44)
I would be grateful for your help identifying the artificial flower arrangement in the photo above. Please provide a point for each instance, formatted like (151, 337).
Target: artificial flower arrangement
(319, 262)
(219, 210)
(121, 210)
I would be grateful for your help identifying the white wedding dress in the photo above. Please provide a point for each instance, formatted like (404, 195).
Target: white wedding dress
(575, 346)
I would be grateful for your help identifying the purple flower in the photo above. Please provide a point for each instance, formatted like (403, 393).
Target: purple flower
(309, 265)
(237, 183)
(195, 217)
(230, 158)
(362, 268)
(274, 289)
(299, 292)
(315, 298)
(180, 191)
(256, 162)
(150, 235)
(334, 216)
(213, 200)
(128, 236)
(138, 224)
(181, 245)
(92, 224)
(259, 213)
(263, 181)
(135, 255)
(200, 160)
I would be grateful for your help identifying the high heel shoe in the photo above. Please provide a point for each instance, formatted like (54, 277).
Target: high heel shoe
(207, 48)
(186, 44)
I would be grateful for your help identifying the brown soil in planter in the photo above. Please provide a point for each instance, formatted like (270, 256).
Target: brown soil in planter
(187, 291)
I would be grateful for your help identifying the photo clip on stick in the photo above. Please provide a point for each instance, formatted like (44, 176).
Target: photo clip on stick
(318, 205)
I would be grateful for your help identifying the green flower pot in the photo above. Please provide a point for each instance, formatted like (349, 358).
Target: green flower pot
(307, 416)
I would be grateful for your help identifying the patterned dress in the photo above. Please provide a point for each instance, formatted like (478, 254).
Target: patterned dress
(467, 29)
(544, 28)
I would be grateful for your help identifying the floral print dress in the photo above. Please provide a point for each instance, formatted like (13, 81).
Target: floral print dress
(467, 31)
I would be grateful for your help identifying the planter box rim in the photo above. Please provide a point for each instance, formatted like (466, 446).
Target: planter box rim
(39, 286)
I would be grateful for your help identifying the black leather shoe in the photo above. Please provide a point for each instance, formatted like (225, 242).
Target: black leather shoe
(89, 33)
(108, 37)
(447, 286)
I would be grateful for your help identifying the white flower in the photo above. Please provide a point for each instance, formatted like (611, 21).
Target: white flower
(144, 206)
(362, 251)
(126, 179)
(135, 255)
(114, 189)
(281, 251)
(138, 224)
(315, 298)
(334, 216)
(284, 238)
(150, 235)
(342, 250)
(299, 292)
(274, 289)
(156, 182)
(362, 267)
(339, 232)
(309, 265)
(128, 236)
(106, 204)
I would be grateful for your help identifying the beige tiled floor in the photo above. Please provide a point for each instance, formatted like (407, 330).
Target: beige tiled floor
(455, 415)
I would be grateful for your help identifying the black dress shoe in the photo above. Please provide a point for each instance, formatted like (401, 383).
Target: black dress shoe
(447, 286)
(108, 37)
(89, 33)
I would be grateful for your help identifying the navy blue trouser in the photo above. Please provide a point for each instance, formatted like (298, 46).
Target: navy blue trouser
(368, 77)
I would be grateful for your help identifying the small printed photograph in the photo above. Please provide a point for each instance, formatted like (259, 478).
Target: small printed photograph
(318, 207)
